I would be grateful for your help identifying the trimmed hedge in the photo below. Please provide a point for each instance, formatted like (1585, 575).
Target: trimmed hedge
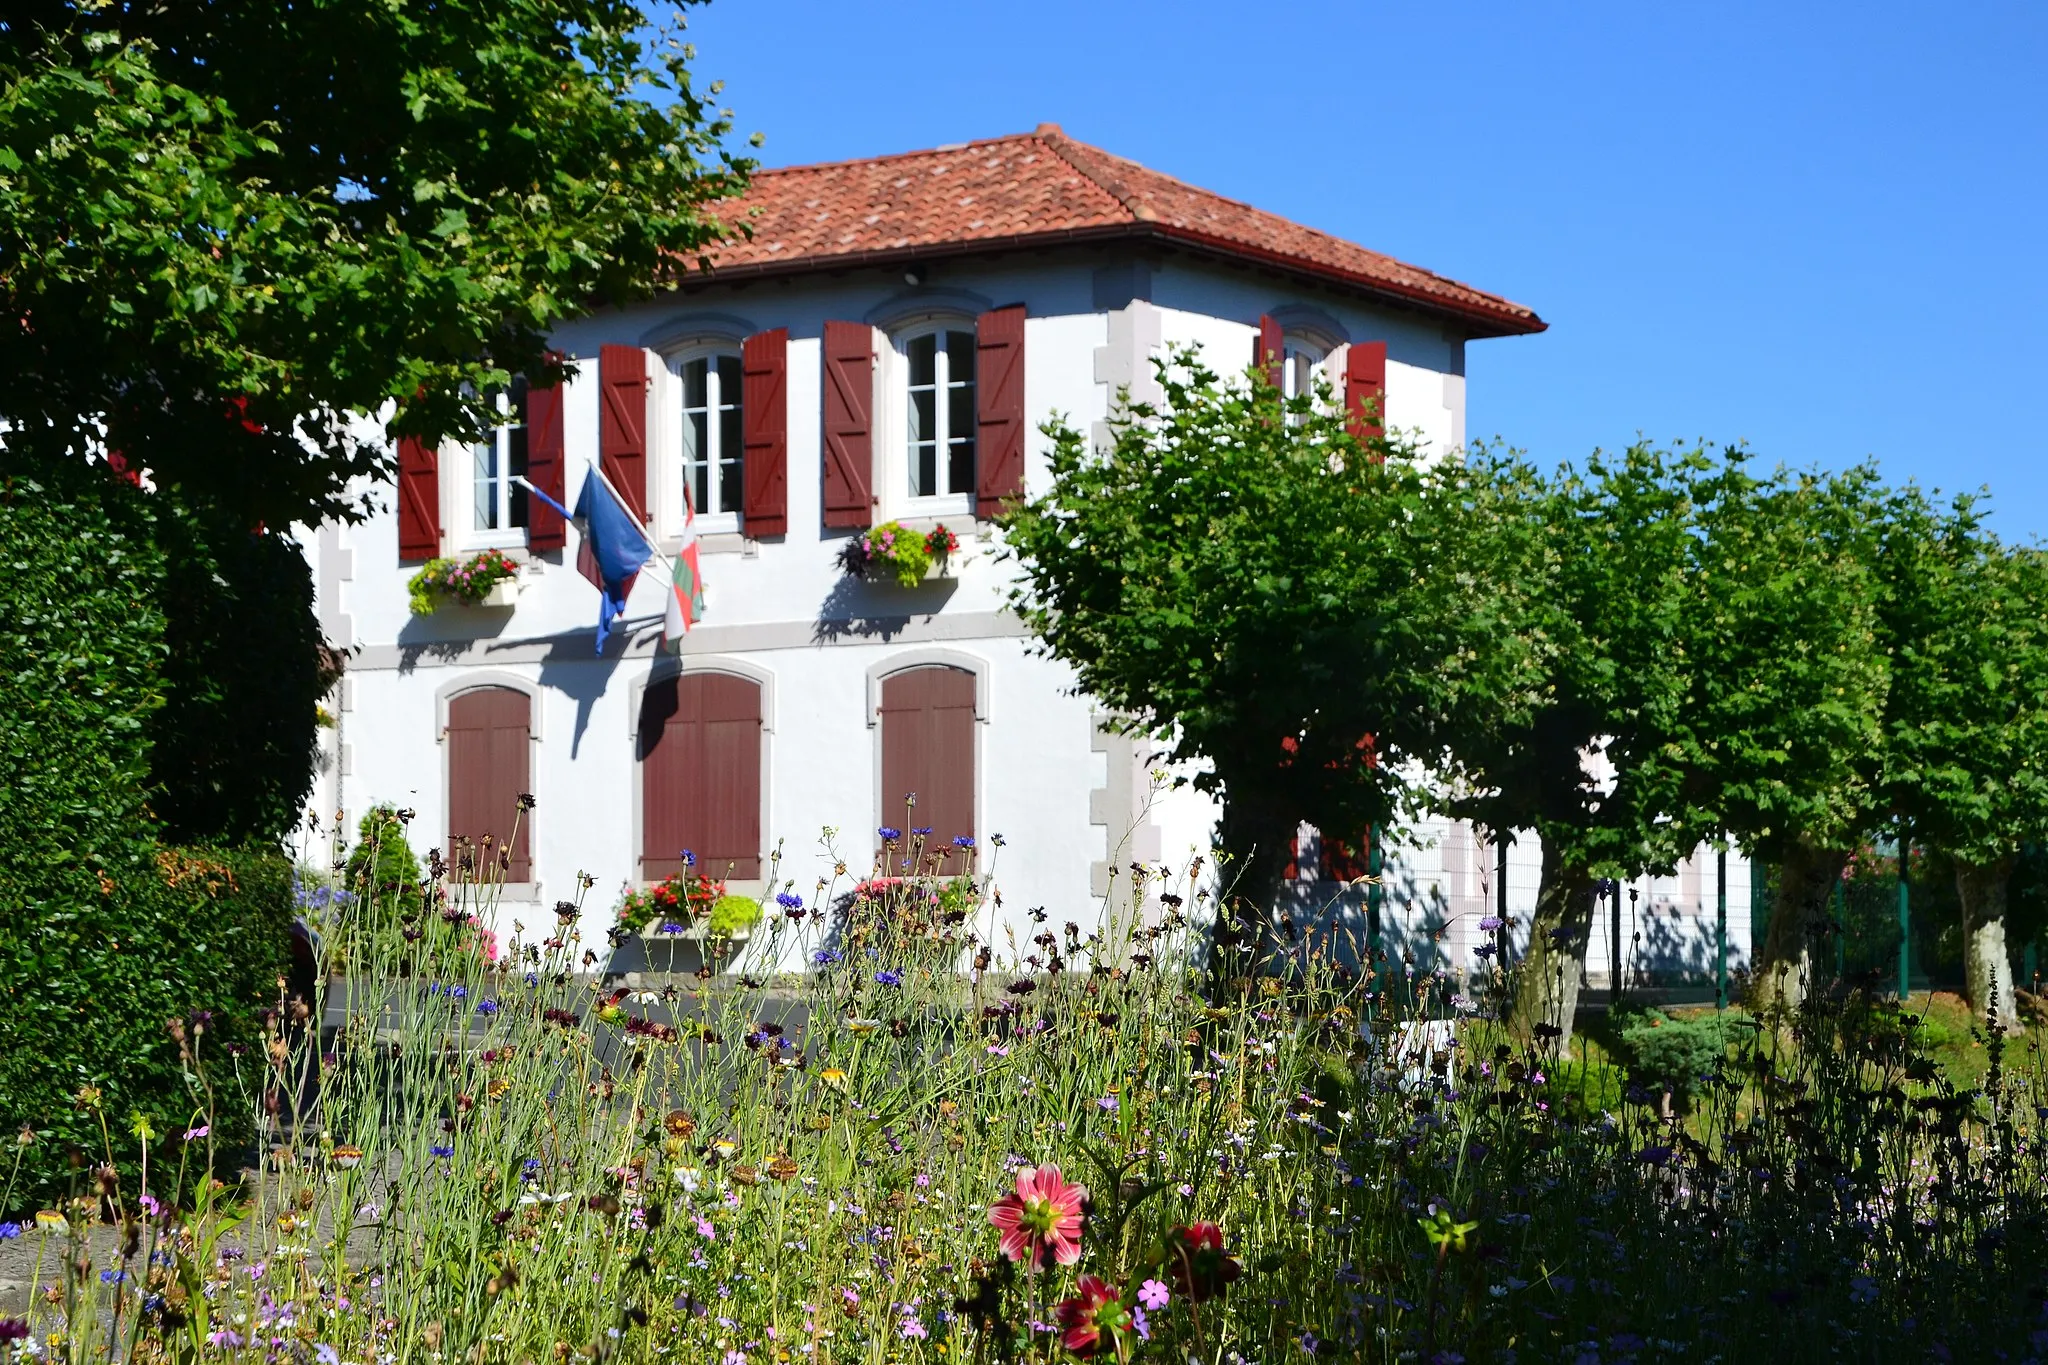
(232, 749)
(201, 935)
(108, 935)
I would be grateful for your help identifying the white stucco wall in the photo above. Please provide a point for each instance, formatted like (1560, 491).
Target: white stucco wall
(1066, 799)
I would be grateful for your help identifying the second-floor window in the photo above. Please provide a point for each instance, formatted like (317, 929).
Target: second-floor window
(940, 413)
(1300, 363)
(497, 498)
(713, 446)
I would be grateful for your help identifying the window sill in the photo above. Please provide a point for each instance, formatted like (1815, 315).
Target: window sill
(712, 543)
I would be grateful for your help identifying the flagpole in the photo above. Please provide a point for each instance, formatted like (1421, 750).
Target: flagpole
(646, 531)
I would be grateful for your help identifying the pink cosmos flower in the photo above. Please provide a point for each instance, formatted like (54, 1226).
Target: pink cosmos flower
(1045, 1212)
(1094, 1319)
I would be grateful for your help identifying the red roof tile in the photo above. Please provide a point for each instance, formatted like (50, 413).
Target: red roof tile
(1042, 188)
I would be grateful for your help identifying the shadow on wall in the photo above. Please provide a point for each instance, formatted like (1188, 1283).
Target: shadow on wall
(571, 668)
(864, 609)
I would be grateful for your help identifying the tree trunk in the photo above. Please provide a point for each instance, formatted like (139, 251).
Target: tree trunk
(1547, 980)
(1806, 881)
(1258, 842)
(1981, 887)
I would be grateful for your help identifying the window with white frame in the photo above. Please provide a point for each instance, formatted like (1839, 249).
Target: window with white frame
(497, 500)
(939, 411)
(713, 440)
(1300, 362)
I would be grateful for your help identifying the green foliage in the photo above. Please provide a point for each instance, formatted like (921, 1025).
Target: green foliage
(1674, 1051)
(464, 581)
(382, 862)
(192, 935)
(241, 228)
(733, 914)
(1241, 578)
(1585, 1086)
(232, 750)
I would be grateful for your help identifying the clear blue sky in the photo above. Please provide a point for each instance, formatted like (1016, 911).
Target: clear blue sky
(1818, 228)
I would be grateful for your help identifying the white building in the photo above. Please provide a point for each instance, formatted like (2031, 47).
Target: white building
(883, 348)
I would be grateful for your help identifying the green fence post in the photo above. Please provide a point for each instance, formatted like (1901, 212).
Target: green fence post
(1905, 928)
(1721, 929)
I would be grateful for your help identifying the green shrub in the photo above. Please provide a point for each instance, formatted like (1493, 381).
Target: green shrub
(1675, 1052)
(195, 933)
(382, 860)
(731, 914)
(107, 937)
(233, 747)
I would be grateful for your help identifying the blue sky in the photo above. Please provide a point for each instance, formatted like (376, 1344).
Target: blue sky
(1821, 229)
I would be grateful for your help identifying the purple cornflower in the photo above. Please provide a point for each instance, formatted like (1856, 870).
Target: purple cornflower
(888, 978)
(487, 1006)
(789, 901)
(890, 834)
(962, 841)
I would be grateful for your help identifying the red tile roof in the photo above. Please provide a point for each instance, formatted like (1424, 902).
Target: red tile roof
(1043, 188)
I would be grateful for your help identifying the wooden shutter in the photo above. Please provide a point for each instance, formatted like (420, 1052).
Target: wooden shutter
(764, 413)
(545, 459)
(1268, 350)
(849, 423)
(622, 423)
(419, 501)
(700, 776)
(488, 733)
(927, 717)
(999, 398)
(1365, 389)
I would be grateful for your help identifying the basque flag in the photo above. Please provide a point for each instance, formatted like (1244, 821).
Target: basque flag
(686, 591)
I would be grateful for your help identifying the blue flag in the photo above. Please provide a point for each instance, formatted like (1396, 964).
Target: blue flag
(613, 552)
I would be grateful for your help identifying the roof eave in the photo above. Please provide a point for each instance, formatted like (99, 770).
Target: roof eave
(1478, 321)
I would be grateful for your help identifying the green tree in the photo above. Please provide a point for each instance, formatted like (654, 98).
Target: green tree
(236, 235)
(1778, 746)
(1967, 736)
(1586, 766)
(1283, 605)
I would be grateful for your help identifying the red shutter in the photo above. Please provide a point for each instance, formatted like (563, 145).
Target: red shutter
(1270, 347)
(999, 396)
(622, 423)
(700, 776)
(488, 732)
(1365, 389)
(927, 717)
(419, 501)
(849, 423)
(764, 409)
(544, 467)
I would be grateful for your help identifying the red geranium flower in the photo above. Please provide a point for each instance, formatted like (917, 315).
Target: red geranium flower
(1200, 1265)
(1045, 1212)
(1093, 1319)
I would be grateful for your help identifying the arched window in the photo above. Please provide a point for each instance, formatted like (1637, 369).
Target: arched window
(1300, 362)
(939, 409)
(927, 718)
(489, 768)
(700, 776)
(713, 441)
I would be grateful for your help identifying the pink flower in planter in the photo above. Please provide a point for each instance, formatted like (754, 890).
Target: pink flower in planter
(1046, 1212)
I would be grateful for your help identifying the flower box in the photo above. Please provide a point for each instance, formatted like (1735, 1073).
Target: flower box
(488, 580)
(892, 553)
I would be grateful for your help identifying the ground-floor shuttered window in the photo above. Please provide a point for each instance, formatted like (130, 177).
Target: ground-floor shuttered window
(489, 768)
(927, 717)
(700, 776)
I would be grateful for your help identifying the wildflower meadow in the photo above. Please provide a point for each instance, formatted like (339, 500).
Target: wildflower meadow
(939, 1143)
